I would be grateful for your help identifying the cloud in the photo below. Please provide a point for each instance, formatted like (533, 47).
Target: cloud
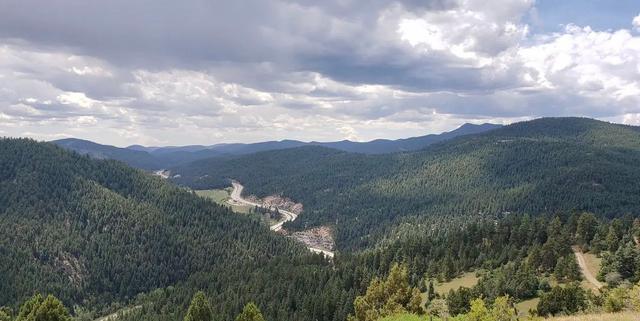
(636, 22)
(159, 72)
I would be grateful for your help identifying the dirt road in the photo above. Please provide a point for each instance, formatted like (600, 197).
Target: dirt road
(585, 270)
(236, 199)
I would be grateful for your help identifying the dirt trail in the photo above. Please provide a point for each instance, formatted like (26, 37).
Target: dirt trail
(236, 198)
(585, 270)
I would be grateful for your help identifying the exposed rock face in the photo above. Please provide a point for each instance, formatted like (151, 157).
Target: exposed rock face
(283, 203)
(276, 201)
(72, 267)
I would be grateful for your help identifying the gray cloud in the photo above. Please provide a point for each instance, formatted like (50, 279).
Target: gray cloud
(195, 71)
(344, 40)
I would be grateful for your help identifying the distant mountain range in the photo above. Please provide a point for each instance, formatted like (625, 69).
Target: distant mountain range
(153, 158)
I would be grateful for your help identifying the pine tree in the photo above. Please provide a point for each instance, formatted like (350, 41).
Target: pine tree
(6, 314)
(502, 310)
(387, 297)
(567, 269)
(634, 298)
(586, 229)
(479, 311)
(39, 308)
(199, 309)
(431, 292)
(612, 239)
(250, 312)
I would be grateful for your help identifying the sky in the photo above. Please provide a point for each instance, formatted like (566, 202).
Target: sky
(157, 72)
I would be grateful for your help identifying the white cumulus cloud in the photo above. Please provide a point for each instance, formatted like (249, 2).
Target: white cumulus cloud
(636, 22)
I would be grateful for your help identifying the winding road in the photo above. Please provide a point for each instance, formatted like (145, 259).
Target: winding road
(236, 196)
(237, 199)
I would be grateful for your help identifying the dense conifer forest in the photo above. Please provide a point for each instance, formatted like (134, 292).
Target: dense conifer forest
(97, 232)
(540, 166)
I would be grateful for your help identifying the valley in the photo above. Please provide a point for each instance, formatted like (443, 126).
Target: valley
(542, 215)
(313, 244)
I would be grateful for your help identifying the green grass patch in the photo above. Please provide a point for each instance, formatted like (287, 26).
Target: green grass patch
(221, 196)
(593, 265)
(526, 305)
(593, 262)
(468, 280)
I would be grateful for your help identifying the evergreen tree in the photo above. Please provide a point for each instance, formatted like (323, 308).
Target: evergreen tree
(616, 300)
(431, 292)
(567, 269)
(478, 311)
(628, 257)
(586, 229)
(199, 309)
(459, 300)
(6, 314)
(250, 312)
(612, 239)
(386, 297)
(634, 298)
(39, 308)
(569, 299)
(502, 309)
(438, 308)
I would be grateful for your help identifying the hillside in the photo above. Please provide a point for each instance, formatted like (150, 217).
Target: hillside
(97, 234)
(540, 166)
(137, 156)
(101, 236)
(155, 158)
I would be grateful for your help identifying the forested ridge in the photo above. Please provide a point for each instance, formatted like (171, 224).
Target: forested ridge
(98, 233)
(540, 166)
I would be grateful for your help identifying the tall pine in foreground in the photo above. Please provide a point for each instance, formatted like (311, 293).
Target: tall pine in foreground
(387, 297)
(6, 314)
(39, 308)
(199, 310)
(250, 313)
